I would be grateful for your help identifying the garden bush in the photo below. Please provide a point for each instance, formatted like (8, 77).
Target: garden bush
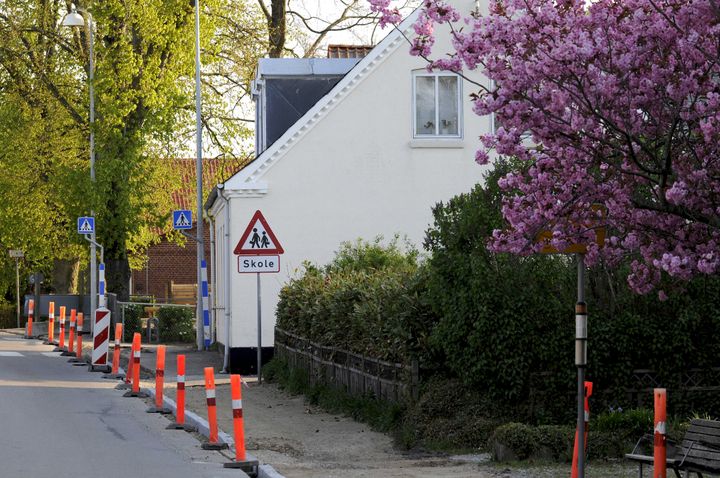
(133, 324)
(176, 324)
(365, 301)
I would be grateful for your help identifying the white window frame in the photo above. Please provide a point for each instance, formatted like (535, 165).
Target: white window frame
(437, 75)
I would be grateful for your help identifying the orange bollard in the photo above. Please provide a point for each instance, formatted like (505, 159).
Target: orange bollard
(159, 383)
(31, 312)
(588, 392)
(51, 323)
(135, 392)
(61, 344)
(213, 442)
(179, 423)
(78, 360)
(71, 336)
(116, 350)
(660, 441)
(241, 460)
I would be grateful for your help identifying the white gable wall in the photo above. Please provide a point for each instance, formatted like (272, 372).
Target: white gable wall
(356, 172)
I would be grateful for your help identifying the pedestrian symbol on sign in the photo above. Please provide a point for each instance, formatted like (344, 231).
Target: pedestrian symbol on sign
(182, 219)
(86, 225)
(258, 238)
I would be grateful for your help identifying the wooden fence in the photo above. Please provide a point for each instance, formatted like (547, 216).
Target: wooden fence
(355, 374)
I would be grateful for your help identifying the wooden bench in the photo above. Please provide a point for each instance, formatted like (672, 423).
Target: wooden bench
(699, 452)
(183, 293)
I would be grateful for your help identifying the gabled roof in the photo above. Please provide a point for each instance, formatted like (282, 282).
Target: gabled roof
(215, 170)
(248, 180)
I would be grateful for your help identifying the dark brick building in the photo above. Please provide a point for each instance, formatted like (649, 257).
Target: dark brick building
(166, 262)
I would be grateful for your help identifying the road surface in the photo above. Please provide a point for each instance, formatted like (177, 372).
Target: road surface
(58, 421)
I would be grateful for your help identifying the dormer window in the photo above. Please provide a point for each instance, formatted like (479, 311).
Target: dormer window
(436, 105)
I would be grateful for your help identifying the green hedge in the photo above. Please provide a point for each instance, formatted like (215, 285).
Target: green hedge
(504, 325)
(176, 324)
(365, 301)
(133, 324)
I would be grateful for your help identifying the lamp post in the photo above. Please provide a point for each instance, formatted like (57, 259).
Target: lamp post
(75, 19)
(200, 243)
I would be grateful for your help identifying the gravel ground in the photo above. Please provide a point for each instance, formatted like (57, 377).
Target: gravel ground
(302, 441)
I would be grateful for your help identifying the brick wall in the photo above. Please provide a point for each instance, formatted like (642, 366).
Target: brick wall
(169, 262)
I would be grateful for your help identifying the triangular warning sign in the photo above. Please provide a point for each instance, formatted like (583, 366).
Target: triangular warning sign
(85, 226)
(258, 238)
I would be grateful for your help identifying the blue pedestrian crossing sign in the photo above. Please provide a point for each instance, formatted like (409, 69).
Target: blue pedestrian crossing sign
(86, 225)
(182, 219)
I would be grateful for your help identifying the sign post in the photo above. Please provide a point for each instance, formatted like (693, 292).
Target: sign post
(182, 221)
(581, 321)
(17, 255)
(258, 252)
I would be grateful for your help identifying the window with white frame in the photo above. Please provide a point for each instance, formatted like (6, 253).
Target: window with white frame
(436, 105)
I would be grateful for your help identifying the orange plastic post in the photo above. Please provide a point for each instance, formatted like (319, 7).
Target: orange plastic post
(128, 374)
(180, 390)
(588, 393)
(61, 345)
(136, 363)
(78, 352)
(51, 322)
(159, 376)
(238, 426)
(211, 404)
(71, 337)
(213, 442)
(116, 350)
(31, 312)
(660, 451)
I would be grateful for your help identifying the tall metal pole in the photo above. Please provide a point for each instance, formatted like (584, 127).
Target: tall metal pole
(17, 288)
(200, 244)
(93, 250)
(259, 331)
(581, 360)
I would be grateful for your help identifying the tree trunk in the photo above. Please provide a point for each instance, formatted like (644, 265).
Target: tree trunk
(277, 28)
(117, 276)
(65, 276)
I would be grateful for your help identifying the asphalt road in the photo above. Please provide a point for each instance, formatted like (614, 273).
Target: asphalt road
(57, 421)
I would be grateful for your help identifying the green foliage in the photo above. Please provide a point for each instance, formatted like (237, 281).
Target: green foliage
(176, 324)
(365, 301)
(133, 322)
(514, 441)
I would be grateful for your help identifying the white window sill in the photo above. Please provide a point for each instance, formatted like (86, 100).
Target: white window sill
(449, 143)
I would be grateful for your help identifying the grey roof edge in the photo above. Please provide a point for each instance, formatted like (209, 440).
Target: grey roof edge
(280, 67)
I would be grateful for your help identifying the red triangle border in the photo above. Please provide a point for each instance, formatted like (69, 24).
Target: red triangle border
(258, 252)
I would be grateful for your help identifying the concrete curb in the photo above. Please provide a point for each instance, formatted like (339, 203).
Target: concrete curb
(203, 428)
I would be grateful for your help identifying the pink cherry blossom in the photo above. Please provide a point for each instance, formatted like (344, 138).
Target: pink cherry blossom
(621, 103)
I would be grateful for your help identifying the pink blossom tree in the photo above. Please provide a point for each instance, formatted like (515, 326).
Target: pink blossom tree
(606, 102)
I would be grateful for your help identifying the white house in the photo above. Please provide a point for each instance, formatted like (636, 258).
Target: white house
(371, 157)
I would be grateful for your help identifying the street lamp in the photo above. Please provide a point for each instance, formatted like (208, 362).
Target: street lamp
(75, 19)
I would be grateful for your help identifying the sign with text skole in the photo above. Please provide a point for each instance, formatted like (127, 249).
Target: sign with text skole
(258, 250)
(250, 264)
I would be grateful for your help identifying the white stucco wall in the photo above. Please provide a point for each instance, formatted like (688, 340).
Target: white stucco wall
(357, 172)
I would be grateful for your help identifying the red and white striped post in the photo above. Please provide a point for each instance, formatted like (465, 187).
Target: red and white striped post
(101, 341)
